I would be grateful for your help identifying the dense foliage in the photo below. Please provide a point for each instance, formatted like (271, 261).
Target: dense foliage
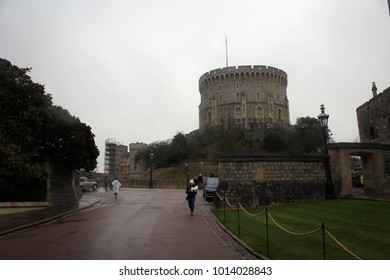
(33, 130)
(303, 138)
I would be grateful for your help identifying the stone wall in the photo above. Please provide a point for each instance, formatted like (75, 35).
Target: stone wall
(63, 186)
(157, 184)
(266, 180)
(386, 155)
(374, 119)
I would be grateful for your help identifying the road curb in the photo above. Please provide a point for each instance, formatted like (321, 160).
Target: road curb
(43, 221)
(249, 249)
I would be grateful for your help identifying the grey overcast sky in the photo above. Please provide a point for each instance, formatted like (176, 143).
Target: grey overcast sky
(130, 69)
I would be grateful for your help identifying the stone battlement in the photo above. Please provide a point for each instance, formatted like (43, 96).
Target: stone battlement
(248, 72)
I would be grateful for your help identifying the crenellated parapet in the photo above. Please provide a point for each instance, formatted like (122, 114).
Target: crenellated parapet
(236, 73)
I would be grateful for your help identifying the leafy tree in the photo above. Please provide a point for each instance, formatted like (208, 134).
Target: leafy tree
(24, 107)
(32, 130)
(309, 134)
(179, 149)
(69, 140)
(274, 142)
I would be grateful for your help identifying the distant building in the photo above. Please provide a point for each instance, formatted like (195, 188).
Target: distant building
(251, 96)
(136, 168)
(374, 118)
(125, 166)
(114, 153)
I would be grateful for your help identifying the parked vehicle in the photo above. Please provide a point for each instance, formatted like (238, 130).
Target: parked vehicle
(87, 184)
(210, 187)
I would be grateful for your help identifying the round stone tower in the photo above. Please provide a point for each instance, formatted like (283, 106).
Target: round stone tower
(246, 95)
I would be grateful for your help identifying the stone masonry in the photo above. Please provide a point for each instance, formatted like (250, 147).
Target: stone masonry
(374, 118)
(245, 95)
(266, 180)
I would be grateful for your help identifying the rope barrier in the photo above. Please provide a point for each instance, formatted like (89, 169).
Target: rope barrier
(288, 231)
(342, 246)
(227, 201)
(250, 214)
(291, 232)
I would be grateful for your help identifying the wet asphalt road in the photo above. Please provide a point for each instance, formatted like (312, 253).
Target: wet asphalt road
(142, 224)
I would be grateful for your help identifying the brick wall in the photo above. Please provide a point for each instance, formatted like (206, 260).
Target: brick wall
(265, 180)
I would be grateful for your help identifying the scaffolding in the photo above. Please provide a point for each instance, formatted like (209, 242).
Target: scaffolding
(112, 157)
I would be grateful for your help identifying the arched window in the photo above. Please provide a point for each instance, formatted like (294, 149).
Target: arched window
(237, 113)
(259, 113)
(209, 117)
(279, 114)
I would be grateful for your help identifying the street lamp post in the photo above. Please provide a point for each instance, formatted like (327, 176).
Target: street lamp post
(323, 119)
(151, 155)
(187, 165)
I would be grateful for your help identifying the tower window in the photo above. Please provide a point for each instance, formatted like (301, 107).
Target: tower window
(238, 114)
(259, 113)
(373, 133)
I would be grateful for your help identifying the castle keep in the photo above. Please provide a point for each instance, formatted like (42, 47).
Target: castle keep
(246, 95)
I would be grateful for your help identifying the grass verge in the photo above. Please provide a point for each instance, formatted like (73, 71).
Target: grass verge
(362, 226)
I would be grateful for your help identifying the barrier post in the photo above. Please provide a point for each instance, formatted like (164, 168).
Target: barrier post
(218, 204)
(323, 239)
(266, 227)
(224, 210)
(238, 218)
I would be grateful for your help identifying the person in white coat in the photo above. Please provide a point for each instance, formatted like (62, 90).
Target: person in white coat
(116, 186)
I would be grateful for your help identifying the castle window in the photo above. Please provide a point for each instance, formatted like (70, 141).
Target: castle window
(209, 117)
(220, 87)
(258, 96)
(373, 133)
(237, 113)
(279, 114)
(209, 101)
(259, 113)
(237, 96)
(220, 98)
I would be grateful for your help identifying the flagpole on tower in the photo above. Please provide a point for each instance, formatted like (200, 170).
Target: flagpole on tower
(227, 64)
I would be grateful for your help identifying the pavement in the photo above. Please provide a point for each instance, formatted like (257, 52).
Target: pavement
(20, 219)
(16, 219)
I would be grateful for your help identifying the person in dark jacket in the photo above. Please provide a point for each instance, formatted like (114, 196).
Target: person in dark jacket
(191, 192)
(200, 182)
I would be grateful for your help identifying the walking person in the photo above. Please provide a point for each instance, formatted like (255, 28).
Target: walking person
(116, 186)
(200, 181)
(191, 192)
(106, 183)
